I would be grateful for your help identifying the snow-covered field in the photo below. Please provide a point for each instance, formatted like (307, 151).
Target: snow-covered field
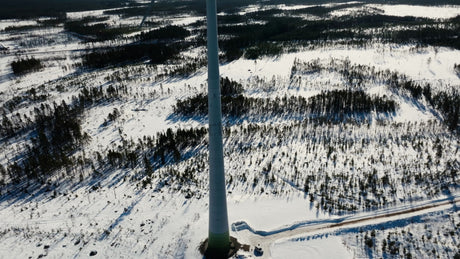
(282, 169)
(435, 12)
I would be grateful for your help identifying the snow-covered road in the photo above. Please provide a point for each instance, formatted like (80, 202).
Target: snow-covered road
(267, 239)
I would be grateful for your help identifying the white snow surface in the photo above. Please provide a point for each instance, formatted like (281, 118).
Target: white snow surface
(292, 7)
(186, 20)
(15, 23)
(433, 65)
(165, 216)
(120, 220)
(325, 246)
(92, 13)
(434, 12)
(272, 212)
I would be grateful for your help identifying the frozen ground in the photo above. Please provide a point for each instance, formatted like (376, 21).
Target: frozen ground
(319, 248)
(434, 12)
(113, 215)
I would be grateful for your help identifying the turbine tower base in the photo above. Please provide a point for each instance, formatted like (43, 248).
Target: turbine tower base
(219, 252)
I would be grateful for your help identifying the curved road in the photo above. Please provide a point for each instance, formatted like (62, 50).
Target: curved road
(265, 239)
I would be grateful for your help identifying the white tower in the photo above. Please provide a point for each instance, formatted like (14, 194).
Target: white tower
(219, 238)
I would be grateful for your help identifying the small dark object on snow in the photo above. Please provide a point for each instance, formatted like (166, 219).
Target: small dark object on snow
(258, 251)
(93, 253)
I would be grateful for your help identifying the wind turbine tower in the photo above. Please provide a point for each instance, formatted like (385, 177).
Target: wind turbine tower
(219, 237)
(149, 10)
(218, 243)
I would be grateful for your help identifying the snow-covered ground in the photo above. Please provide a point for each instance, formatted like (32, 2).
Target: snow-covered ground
(319, 248)
(14, 23)
(111, 213)
(434, 12)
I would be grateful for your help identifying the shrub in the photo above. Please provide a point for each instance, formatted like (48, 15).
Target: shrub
(23, 66)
